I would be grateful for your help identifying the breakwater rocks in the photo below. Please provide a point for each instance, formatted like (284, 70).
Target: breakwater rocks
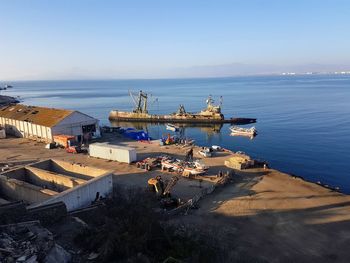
(5, 100)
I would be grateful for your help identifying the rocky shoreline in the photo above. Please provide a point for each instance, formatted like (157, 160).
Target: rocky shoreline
(5, 100)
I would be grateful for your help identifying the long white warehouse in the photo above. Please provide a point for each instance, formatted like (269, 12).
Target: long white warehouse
(42, 123)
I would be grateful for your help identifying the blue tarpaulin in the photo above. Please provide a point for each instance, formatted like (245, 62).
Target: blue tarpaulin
(136, 135)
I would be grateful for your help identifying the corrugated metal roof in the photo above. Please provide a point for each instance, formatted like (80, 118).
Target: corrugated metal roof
(47, 117)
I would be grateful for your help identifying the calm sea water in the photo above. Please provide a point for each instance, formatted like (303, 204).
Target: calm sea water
(303, 121)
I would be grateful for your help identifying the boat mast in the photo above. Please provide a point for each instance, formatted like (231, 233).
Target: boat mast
(144, 95)
(139, 102)
(210, 101)
(141, 105)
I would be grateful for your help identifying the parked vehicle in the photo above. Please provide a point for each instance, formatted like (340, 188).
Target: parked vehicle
(163, 190)
(149, 163)
(216, 148)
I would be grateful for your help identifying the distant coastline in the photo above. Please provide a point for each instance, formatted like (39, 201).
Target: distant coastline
(209, 75)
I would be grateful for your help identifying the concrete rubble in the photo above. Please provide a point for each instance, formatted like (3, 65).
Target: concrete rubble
(29, 242)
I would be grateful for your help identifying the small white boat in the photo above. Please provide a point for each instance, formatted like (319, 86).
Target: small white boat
(172, 127)
(235, 130)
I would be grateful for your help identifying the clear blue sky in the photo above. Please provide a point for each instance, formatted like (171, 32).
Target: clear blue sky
(148, 38)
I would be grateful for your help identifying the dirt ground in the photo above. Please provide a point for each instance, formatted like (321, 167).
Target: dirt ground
(274, 217)
(260, 216)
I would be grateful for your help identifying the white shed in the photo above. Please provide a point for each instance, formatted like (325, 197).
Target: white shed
(42, 123)
(113, 152)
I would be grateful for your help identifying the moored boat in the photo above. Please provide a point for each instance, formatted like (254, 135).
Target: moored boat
(235, 130)
(211, 114)
(172, 127)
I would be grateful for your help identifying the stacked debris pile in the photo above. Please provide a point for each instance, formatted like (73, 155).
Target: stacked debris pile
(29, 242)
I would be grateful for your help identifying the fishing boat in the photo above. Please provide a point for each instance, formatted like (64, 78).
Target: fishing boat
(172, 127)
(193, 171)
(168, 163)
(195, 168)
(235, 130)
(210, 115)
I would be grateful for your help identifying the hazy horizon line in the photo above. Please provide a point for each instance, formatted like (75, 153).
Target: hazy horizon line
(192, 72)
(174, 78)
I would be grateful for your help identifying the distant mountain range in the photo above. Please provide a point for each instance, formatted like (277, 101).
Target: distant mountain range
(224, 70)
(241, 69)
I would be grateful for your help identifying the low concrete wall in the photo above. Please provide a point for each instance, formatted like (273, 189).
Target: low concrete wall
(14, 189)
(42, 177)
(70, 169)
(18, 174)
(80, 168)
(52, 166)
(82, 195)
(40, 184)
